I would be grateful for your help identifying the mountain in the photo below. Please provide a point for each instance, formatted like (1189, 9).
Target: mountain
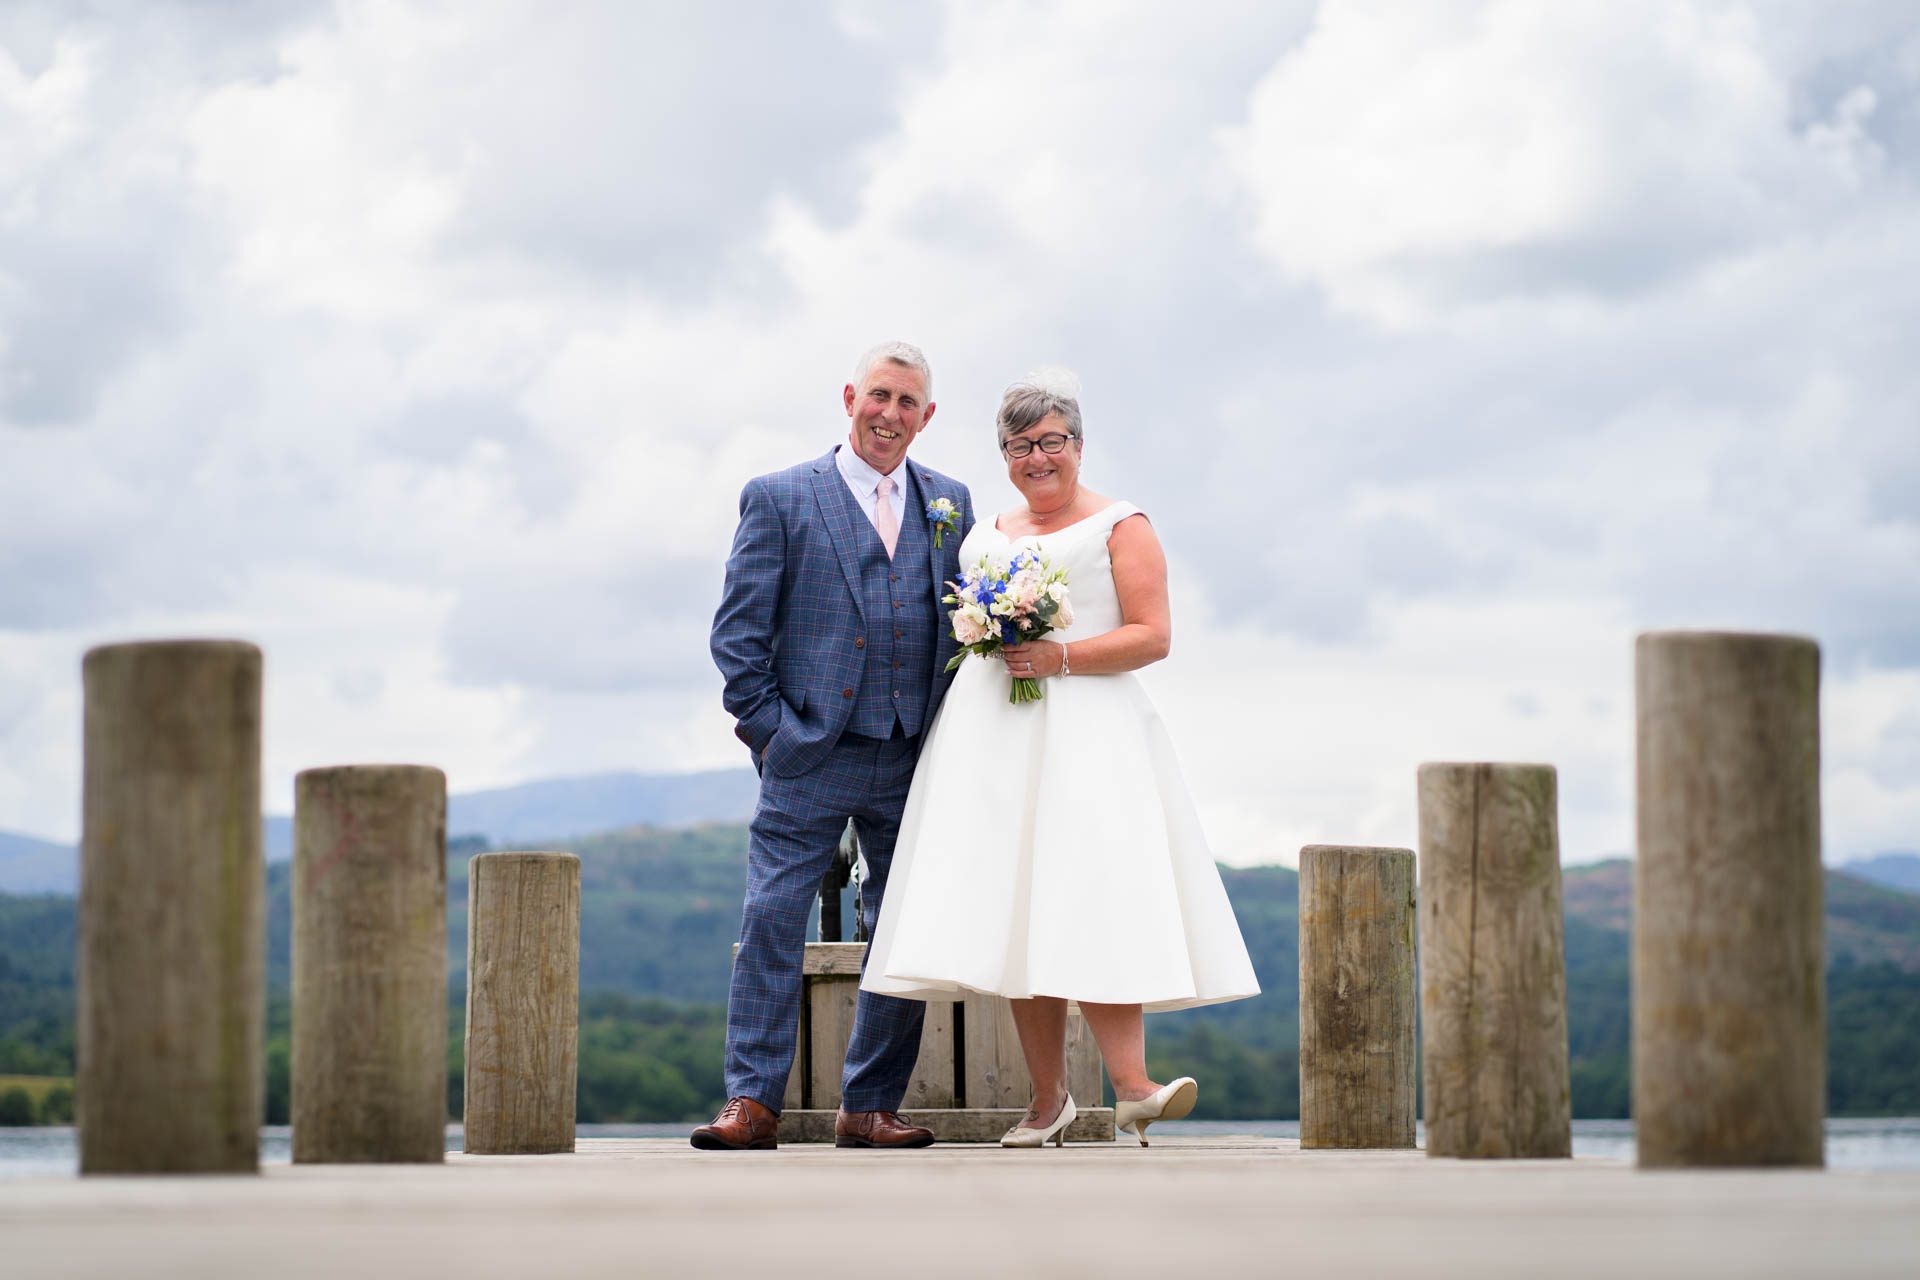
(1895, 870)
(1866, 923)
(1872, 936)
(552, 811)
(28, 865)
(660, 909)
(558, 810)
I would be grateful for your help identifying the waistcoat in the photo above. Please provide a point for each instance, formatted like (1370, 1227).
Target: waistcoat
(897, 599)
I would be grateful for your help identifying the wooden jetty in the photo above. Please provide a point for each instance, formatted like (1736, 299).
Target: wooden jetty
(1188, 1206)
(1185, 1206)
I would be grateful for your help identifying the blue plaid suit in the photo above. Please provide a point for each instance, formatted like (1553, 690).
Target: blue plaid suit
(792, 639)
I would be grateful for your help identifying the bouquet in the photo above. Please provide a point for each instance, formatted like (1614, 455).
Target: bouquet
(998, 603)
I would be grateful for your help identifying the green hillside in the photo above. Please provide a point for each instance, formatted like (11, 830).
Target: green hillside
(660, 910)
(36, 985)
(1873, 992)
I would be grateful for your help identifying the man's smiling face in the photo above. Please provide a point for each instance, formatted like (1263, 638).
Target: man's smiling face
(889, 408)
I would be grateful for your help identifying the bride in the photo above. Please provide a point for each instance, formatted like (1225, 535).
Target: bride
(1049, 850)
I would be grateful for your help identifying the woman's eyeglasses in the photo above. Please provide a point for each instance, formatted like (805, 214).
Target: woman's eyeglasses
(1053, 442)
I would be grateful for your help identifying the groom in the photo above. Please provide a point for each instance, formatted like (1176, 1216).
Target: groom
(832, 642)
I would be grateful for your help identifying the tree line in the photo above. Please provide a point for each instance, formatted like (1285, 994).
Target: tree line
(660, 908)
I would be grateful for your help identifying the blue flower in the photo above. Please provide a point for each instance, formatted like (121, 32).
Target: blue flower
(941, 513)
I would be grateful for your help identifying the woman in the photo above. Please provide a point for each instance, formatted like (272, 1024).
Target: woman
(1049, 850)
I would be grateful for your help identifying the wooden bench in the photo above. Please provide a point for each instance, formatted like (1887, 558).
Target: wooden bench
(971, 1082)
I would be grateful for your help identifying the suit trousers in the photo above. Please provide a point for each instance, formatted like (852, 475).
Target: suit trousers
(795, 831)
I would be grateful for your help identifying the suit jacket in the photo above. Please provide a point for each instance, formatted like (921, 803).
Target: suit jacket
(789, 636)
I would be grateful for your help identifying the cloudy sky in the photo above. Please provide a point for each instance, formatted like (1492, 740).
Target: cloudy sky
(1448, 344)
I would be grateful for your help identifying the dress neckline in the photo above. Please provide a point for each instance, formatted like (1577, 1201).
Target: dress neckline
(1086, 519)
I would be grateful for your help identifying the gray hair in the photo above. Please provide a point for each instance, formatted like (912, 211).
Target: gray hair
(904, 354)
(1031, 399)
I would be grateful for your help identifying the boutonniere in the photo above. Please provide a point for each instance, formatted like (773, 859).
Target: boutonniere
(943, 516)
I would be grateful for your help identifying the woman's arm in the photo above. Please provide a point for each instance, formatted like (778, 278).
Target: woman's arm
(1145, 633)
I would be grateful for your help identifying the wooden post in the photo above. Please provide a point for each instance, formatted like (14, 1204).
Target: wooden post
(523, 1002)
(370, 965)
(1357, 1000)
(1493, 995)
(1729, 1017)
(172, 954)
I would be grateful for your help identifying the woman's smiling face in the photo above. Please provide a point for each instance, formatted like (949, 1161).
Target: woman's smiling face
(1047, 481)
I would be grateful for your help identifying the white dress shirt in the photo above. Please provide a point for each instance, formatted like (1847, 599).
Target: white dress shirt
(864, 481)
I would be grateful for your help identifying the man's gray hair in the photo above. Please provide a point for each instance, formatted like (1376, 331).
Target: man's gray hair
(1035, 396)
(900, 353)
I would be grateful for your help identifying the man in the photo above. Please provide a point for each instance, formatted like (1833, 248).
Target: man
(833, 644)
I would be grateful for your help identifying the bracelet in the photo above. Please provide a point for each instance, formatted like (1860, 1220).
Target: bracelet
(1065, 670)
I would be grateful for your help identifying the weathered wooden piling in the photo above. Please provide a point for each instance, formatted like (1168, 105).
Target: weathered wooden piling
(1357, 1000)
(1729, 1017)
(172, 949)
(369, 1069)
(523, 1002)
(1493, 997)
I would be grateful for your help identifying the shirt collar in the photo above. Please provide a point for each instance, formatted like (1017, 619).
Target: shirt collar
(861, 476)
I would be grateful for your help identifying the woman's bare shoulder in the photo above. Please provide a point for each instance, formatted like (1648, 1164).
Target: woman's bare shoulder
(1132, 531)
(1132, 518)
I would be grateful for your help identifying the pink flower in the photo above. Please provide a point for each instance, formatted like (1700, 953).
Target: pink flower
(970, 625)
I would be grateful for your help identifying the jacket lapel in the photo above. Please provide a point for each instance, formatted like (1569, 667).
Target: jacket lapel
(840, 511)
(936, 556)
(919, 512)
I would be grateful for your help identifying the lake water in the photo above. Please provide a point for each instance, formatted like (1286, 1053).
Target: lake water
(1861, 1145)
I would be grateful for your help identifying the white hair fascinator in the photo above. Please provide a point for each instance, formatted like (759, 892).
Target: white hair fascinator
(1055, 381)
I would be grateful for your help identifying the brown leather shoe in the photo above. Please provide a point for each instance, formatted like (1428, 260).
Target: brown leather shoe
(877, 1129)
(742, 1125)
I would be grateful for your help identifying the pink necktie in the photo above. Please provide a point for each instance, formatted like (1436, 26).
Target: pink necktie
(883, 517)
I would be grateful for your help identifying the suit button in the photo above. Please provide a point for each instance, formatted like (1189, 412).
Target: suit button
(898, 634)
(859, 642)
(896, 577)
(846, 693)
(896, 666)
(896, 693)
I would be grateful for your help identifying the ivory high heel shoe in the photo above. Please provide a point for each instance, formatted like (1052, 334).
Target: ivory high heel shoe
(1170, 1102)
(1021, 1137)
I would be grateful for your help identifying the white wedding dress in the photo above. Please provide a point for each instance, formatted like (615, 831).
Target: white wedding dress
(1051, 848)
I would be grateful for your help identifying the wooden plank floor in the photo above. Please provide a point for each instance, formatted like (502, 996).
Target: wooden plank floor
(1184, 1208)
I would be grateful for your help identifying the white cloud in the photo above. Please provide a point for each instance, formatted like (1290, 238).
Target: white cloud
(1416, 160)
(1288, 742)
